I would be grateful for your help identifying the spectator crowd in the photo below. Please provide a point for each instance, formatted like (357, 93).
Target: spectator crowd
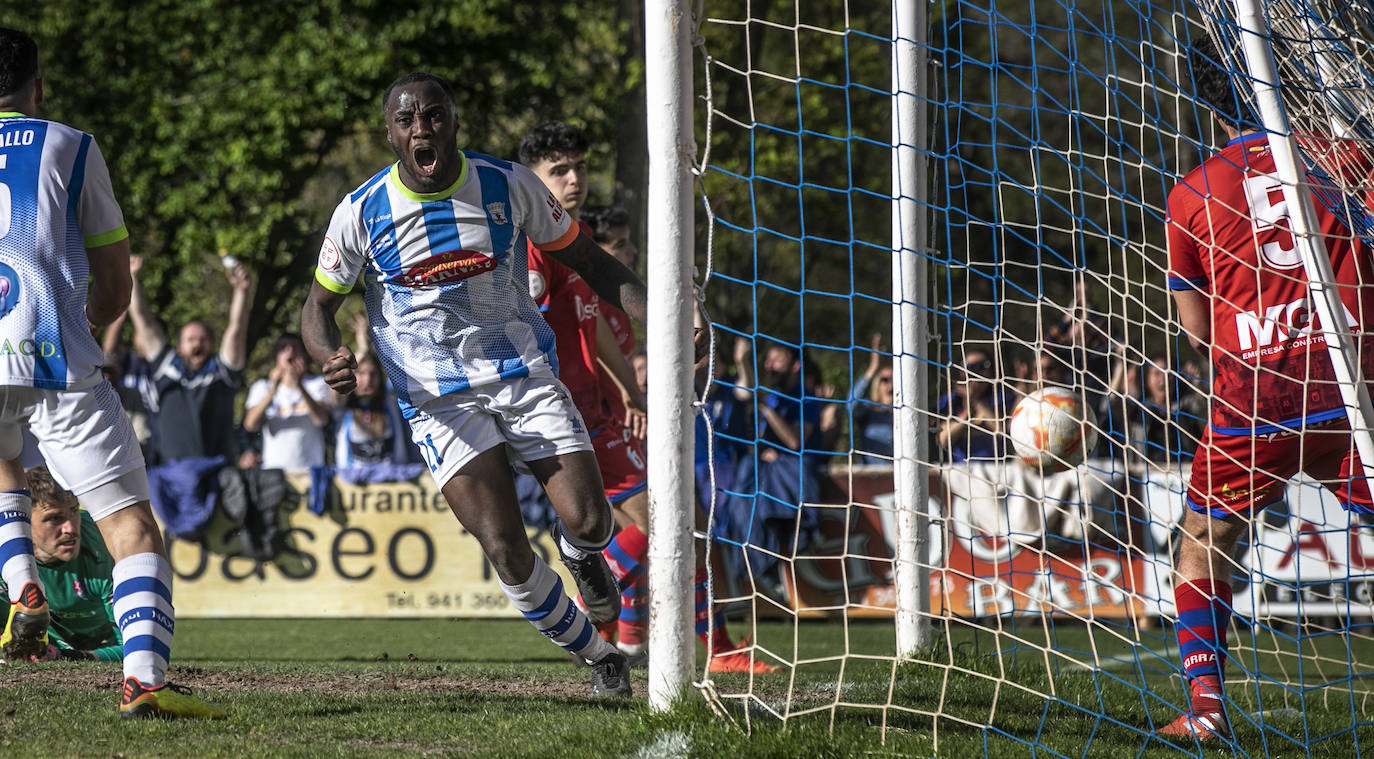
(184, 398)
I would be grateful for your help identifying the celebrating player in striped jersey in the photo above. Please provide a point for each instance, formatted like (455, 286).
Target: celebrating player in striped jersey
(1236, 276)
(438, 239)
(60, 228)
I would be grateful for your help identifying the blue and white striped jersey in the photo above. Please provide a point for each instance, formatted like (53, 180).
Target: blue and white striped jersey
(446, 276)
(55, 201)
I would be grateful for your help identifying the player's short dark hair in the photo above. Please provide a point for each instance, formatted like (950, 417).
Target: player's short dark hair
(18, 61)
(1212, 84)
(551, 140)
(413, 77)
(46, 492)
(602, 219)
(287, 339)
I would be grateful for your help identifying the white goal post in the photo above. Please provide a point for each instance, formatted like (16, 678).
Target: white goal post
(668, 26)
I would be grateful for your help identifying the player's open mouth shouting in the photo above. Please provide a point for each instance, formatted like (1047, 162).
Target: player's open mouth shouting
(426, 160)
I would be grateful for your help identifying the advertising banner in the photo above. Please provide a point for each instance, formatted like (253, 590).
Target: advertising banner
(975, 573)
(391, 549)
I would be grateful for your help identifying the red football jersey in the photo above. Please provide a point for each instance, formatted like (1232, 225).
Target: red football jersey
(620, 327)
(1228, 236)
(619, 322)
(570, 307)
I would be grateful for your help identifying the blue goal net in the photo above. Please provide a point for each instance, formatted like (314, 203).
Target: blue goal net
(1070, 427)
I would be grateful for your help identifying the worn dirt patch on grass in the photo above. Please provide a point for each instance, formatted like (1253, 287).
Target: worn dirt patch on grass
(306, 681)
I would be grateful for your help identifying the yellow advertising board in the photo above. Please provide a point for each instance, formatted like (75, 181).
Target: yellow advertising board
(384, 550)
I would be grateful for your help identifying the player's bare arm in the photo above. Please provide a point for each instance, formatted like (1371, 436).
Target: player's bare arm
(613, 281)
(111, 283)
(320, 331)
(1195, 314)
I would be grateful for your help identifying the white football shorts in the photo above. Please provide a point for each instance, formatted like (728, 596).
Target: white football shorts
(534, 416)
(85, 438)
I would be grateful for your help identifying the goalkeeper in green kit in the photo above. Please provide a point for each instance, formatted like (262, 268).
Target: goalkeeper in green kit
(75, 568)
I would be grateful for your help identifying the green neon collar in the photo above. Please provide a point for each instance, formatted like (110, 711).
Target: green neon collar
(395, 177)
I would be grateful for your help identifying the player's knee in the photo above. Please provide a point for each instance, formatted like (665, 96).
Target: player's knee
(592, 523)
(513, 562)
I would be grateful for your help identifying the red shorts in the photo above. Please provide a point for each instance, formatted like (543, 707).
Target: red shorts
(1235, 474)
(621, 459)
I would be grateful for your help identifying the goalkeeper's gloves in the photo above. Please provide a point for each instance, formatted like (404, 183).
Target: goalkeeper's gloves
(49, 654)
(53, 653)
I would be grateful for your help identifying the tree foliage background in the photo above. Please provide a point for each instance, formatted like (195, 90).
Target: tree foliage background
(237, 127)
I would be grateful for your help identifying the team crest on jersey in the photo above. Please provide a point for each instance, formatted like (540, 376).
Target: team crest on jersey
(537, 285)
(497, 211)
(449, 266)
(9, 289)
(329, 255)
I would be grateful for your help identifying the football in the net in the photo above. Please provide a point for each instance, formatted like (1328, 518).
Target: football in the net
(1052, 429)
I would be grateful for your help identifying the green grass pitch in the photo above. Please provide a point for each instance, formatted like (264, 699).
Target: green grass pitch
(376, 688)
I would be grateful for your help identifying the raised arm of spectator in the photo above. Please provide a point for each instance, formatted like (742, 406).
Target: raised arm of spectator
(744, 380)
(318, 410)
(789, 435)
(110, 282)
(255, 410)
(830, 420)
(362, 334)
(875, 362)
(623, 375)
(109, 341)
(149, 335)
(1117, 383)
(234, 346)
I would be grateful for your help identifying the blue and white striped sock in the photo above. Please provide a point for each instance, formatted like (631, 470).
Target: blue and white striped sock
(542, 600)
(143, 611)
(17, 566)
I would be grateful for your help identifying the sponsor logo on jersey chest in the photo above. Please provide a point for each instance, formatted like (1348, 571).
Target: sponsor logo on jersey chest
(449, 266)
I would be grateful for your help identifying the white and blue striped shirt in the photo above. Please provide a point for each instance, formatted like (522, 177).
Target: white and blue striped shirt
(55, 201)
(446, 275)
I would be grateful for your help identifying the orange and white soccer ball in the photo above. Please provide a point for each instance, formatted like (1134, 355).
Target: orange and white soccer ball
(1052, 429)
